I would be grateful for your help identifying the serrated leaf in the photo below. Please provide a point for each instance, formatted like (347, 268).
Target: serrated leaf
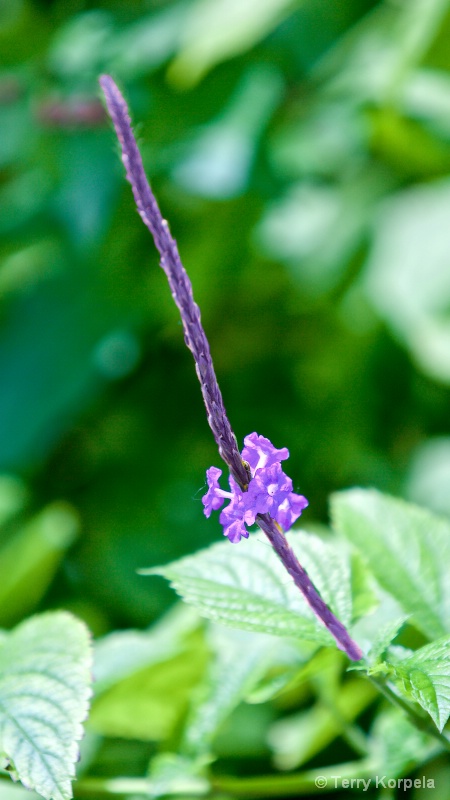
(407, 549)
(45, 685)
(247, 587)
(425, 676)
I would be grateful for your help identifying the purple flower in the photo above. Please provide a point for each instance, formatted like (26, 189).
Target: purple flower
(290, 509)
(269, 491)
(233, 517)
(215, 497)
(259, 452)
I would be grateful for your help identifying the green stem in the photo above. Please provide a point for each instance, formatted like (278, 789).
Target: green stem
(305, 783)
(96, 787)
(328, 779)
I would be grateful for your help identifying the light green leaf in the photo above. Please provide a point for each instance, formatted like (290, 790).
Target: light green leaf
(407, 549)
(385, 636)
(216, 30)
(45, 685)
(172, 774)
(411, 232)
(149, 703)
(122, 653)
(247, 587)
(425, 676)
(30, 558)
(396, 745)
(240, 661)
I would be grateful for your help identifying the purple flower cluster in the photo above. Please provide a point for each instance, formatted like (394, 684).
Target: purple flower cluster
(269, 491)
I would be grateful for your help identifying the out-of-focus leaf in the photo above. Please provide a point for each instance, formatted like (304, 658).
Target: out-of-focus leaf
(45, 685)
(396, 745)
(13, 496)
(216, 30)
(81, 45)
(11, 791)
(121, 653)
(30, 558)
(172, 774)
(88, 187)
(149, 703)
(147, 43)
(375, 61)
(296, 739)
(407, 549)
(427, 98)
(407, 278)
(428, 476)
(218, 162)
(425, 676)
(24, 268)
(239, 661)
(247, 587)
(21, 199)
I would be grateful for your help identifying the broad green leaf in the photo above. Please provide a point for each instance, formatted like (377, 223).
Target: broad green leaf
(247, 587)
(425, 676)
(45, 685)
(407, 549)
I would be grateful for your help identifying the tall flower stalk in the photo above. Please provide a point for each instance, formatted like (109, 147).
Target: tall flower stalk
(260, 491)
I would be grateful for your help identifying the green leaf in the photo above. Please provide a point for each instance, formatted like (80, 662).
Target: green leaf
(240, 661)
(396, 745)
(385, 636)
(410, 233)
(216, 30)
(122, 653)
(149, 703)
(407, 549)
(247, 587)
(45, 685)
(30, 558)
(425, 676)
(172, 774)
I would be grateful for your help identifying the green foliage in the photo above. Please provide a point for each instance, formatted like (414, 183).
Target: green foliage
(45, 686)
(425, 676)
(301, 151)
(407, 549)
(247, 587)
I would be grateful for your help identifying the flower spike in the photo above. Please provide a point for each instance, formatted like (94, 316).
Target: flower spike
(269, 502)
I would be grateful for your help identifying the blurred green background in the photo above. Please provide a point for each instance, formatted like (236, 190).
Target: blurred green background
(301, 151)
